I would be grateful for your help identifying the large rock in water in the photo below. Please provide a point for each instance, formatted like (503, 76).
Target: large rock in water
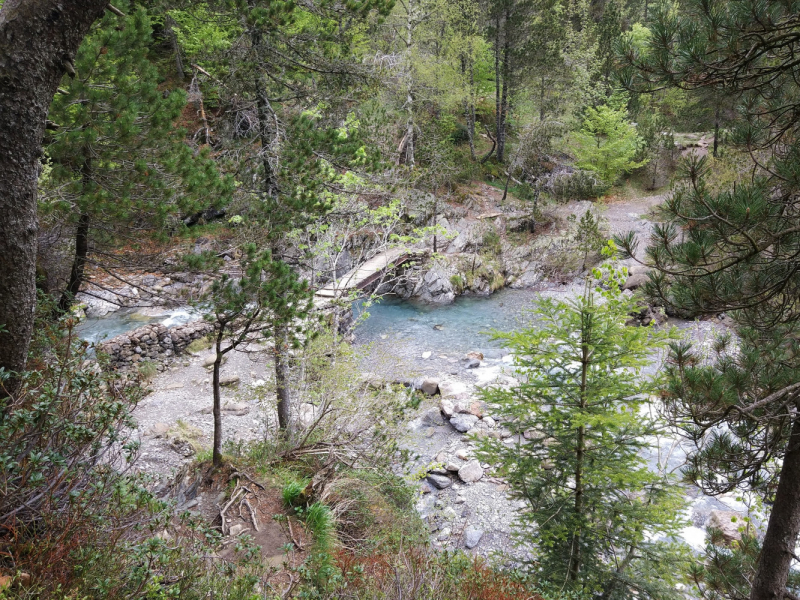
(471, 472)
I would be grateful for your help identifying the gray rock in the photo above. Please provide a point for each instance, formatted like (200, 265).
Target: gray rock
(472, 536)
(635, 281)
(449, 513)
(440, 482)
(229, 380)
(463, 422)
(432, 417)
(471, 472)
(430, 387)
(471, 363)
(446, 407)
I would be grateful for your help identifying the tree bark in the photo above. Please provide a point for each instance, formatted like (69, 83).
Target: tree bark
(81, 245)
(283, 380)
(777, 551)
(501, 124)
(217, 451)
(37, 39)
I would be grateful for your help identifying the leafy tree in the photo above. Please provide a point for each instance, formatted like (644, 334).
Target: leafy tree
(599, 519)
(736, 250)
(608, 143)
(117, 158)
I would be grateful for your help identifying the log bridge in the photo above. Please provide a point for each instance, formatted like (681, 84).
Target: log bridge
(371, 271)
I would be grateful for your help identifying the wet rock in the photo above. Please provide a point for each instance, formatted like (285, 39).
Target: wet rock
(463, 422)
(471, 472)
(440, 482)
(472, 536)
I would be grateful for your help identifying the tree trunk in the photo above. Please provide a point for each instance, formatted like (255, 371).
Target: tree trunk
(78, 264)
(469, 104)
(580, 451)
(716, 131)
(777, 551)
(37, 39)
(497, 80)
(217, 451)
(283, 380)
(501, 124)
(81, 243)
(409, 149)
(169, 24)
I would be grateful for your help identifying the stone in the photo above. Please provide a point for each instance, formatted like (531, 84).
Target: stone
(476, 355)
(452, 388)
(446, 407)
(174, 386)
(439, 471)
(462, 454)
(426, 355)
(438, 327)
(532, 434)
(635, 281)
(430, 387)
(472, 537)
(449, 513)
(444, 534)
(425, 488)
(476, 408)
(471, 363)
(440, 482)
(236, 409)
(208, 360)
(489, 421)
(229, 380)
(728, 522)
(159, 429)
(432, 417)
(307, 414)
(463, 422)
(471, 472)
(237, 529)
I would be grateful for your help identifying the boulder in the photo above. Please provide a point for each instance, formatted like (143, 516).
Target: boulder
(463, 422)
(470, 363)
(452, 388)
(728, 522)
(229, 380)
(432, 417)
(440, 482)
(475, 355)
(471, 472)
(635, 281)
(430, 387)
(237, 409)
(472, 536)
(447, 407)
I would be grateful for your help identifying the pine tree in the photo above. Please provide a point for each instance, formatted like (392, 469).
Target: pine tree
(118, 160)
(599, 519)
(735, 250)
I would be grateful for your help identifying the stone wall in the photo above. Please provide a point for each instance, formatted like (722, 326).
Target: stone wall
(155, 343)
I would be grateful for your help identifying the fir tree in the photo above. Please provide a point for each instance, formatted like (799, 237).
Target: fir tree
(599, 519)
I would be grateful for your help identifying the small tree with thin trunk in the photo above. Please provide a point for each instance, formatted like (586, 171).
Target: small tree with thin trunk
(245, 310)
(598, 517)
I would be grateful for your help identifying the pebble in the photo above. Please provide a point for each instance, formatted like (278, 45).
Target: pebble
(472, 536)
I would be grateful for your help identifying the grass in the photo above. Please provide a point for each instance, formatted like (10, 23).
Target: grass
(199, 345)
(292, 491)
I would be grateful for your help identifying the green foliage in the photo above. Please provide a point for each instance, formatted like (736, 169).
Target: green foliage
(593, 505)
(292, 491)
(607, 142)
(588, 236)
